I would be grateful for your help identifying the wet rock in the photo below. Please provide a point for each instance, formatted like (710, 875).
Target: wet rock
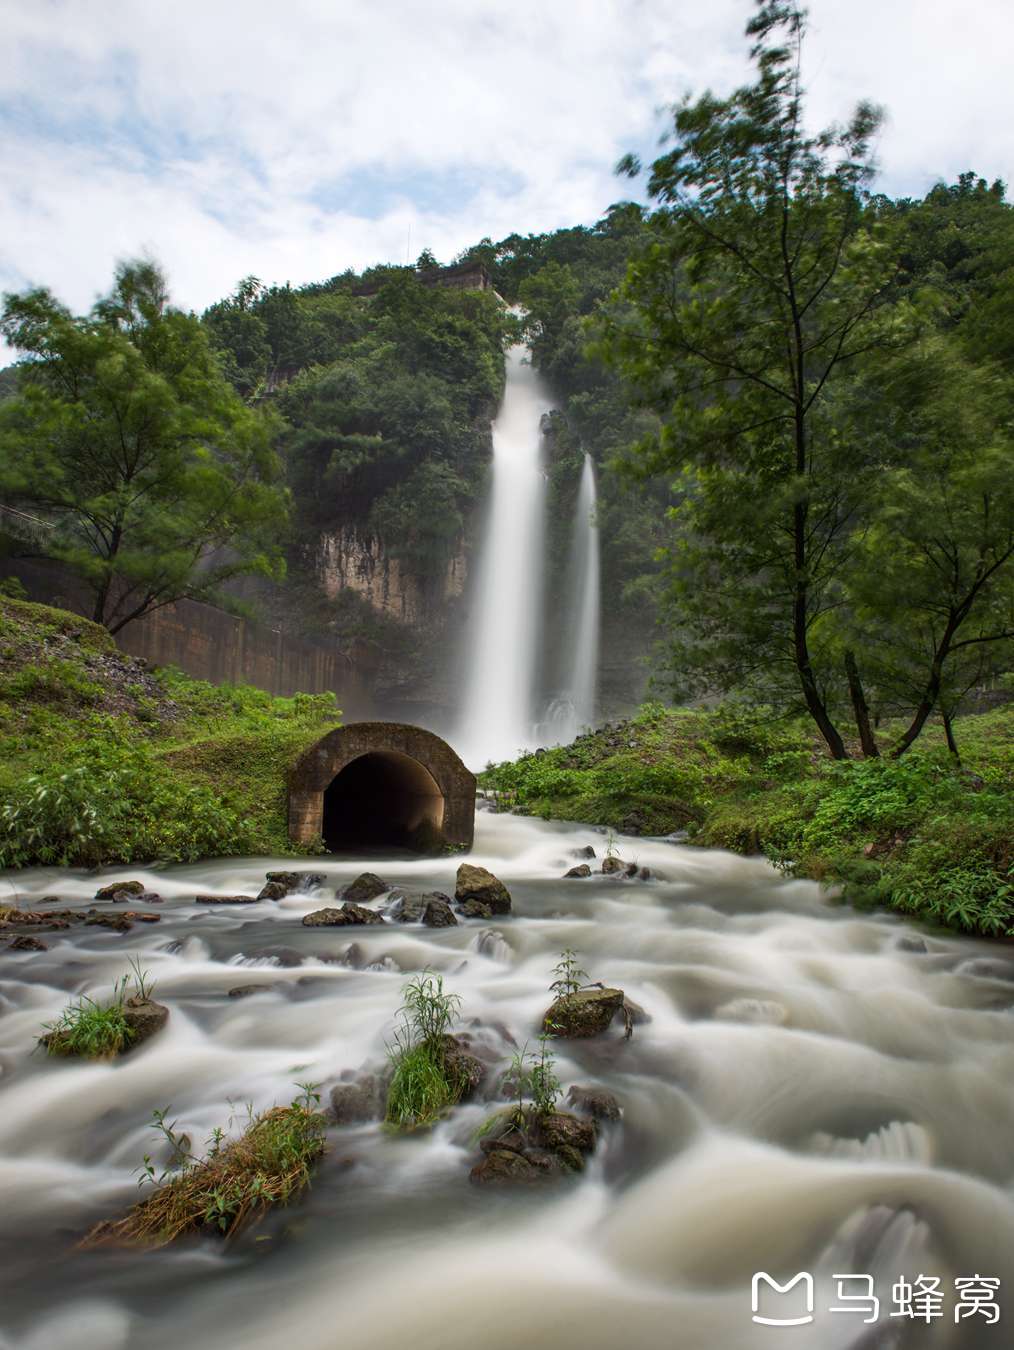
(636, 1015)
(586, 1013)
(364, 1099)
(559, 1129)
(594, 1102)
(582, 870)
(912, 944)
(476, 883)
(404, 908)
(475, 909)
(505, 1167)
(438, 912)
(116, 889)
(355, 957)
(225, 899)
(367, 886)
(27, 918)
(526, 1147)
(586, 852)
(145, 1018)
(644, 874)
(245, 990)
(24, 943)
(280, 884)
(631, 870)
(611, 865)
(348, 914)
(461, 1067)
(118, 923)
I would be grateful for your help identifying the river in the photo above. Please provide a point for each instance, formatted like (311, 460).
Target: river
(816, 1091)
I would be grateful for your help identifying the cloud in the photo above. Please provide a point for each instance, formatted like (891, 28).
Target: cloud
(293, 141)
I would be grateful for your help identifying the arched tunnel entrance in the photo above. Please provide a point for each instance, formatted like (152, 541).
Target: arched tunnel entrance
(382, 798)
(381, 784)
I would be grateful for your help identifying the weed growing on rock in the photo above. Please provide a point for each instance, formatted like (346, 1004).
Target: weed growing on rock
(421, 1088)
(569, 975)
(95, 1030)
(233, 1185)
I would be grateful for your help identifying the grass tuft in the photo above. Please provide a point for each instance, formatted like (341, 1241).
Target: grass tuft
(232, 1187)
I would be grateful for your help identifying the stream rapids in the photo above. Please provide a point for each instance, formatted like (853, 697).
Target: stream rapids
(816, 1091)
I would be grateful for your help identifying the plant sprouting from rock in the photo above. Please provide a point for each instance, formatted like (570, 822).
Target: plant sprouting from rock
(569, 975)
(421, 1088)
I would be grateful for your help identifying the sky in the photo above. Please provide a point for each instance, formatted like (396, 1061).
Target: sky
(293, 140)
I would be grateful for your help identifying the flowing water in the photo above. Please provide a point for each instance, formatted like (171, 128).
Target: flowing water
(816, 1091)
(497, 719)
(573, 709)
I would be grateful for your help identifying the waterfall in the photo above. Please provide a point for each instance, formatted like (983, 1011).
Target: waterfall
(585, 573)
(497, 718)
(572, 707)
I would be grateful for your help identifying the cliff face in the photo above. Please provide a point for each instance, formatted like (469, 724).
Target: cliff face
(344, 561)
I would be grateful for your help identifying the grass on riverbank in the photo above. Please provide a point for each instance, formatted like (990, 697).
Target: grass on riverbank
(103, 760)
(922, 834)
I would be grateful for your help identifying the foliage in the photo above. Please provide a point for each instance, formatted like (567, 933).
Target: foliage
(421, 1089)
(155, 479)
(569, 975)
(136, 766)
(96, 1030)
(923, 834)
(532, 1078)
(233, 1185)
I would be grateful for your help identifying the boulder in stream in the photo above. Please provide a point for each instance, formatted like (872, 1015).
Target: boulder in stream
(367, 886)
(438, 912)
(347, 914)
(595, 1102)
(361, 1100)
(527, 1147)
(476, 883)
(582, 870)
(612, 865)
(145, 1017)
(25, 943)
(475, 909)
(119, 891)
(280, 884)
(225, 899)
(588, 1012)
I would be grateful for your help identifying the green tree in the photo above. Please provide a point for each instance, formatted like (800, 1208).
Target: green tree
(158, 482)
(765, 280)
(930, 583)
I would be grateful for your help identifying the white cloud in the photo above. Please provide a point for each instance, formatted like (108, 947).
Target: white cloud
(295, 140)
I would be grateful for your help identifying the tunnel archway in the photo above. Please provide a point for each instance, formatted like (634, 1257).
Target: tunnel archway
(380, 784)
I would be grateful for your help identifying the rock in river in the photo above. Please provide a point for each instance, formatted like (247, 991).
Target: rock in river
(585, 1013)
(367, 886)
(527, 1147)
(280, 884)
(145, 1017)
(348, 914)
(582, 870)
(116, 889)
(475, 883)
(594, 1102)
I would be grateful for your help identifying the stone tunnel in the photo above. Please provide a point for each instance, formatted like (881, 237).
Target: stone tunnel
(381, 784)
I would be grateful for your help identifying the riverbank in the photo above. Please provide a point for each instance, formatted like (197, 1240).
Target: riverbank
(104, 760)
(923, 834)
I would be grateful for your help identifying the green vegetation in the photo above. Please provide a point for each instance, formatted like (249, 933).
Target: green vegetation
(103, 761)
(152, 479)
(569, 975)
(233, 1185)
(421, 1088)
(95, 1030)
(927, 834)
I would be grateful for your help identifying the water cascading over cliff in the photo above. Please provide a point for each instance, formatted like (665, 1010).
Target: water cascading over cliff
(497, 718)
(572, 709)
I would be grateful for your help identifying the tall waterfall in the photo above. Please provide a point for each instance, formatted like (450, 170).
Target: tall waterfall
(497, 714)
(585, 588)
(572, 707)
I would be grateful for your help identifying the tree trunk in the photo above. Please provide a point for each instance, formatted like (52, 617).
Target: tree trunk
(861, 708)
(952, 744)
